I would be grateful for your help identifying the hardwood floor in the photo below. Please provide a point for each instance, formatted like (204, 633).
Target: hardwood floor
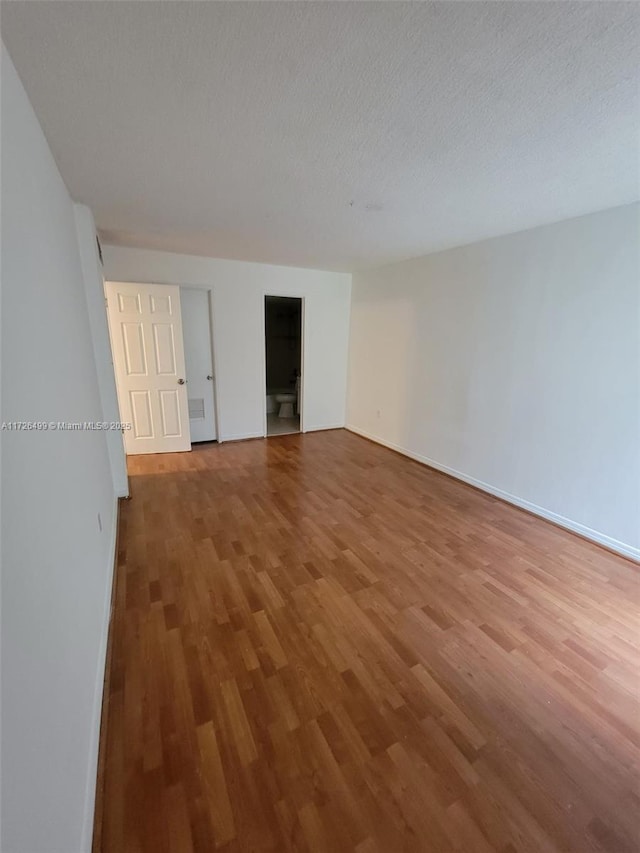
(320, 645)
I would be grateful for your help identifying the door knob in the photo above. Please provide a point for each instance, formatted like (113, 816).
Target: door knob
(209, 377)
(180, 381)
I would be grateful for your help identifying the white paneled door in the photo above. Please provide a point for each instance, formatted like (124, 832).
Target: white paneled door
(145, 324)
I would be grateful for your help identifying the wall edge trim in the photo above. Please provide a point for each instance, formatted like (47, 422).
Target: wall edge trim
(98, 726)
(320, 427)
(595, 536)
(241, 436)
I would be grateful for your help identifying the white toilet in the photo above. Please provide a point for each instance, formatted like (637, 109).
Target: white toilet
(286, 402)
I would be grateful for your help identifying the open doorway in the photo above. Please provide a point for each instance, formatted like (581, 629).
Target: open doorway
(283, 348)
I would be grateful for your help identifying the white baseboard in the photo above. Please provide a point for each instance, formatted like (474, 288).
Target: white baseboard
(240, 437)
(92, 770)
(574, 526)
(317, 428)
(244, 436)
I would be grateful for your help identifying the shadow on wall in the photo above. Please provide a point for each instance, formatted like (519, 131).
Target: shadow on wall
(381, 371)
(429, 373)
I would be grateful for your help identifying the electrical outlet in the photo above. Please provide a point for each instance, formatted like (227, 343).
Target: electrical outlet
(378, 413)
(99, 523)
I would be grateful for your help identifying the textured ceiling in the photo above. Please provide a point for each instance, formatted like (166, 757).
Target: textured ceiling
(332, 135)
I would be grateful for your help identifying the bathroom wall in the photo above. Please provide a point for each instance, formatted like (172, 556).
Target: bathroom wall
(514, 364)
(238, 291)
(283, 342)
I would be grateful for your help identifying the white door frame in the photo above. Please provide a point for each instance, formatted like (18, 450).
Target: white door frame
(214, 361)
(209, 293)
(302, 299)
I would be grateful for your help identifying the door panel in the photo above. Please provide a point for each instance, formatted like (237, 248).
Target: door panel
(141, 414)
(160, 304)
(129, 303)
(134, 361)
(197, 346)
(145, 325)
(164, 349)
(170, 409)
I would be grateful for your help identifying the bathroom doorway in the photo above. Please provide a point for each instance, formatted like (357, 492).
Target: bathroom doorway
(283, 357)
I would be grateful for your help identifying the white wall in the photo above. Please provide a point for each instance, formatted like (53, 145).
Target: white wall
(94, 292)
(56, 563)
(238, 330)
(514, 364)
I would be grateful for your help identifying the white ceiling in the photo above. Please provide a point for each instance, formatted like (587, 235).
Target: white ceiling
(332, 135)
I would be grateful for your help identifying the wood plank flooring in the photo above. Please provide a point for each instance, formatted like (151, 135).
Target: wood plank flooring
(322, 646)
